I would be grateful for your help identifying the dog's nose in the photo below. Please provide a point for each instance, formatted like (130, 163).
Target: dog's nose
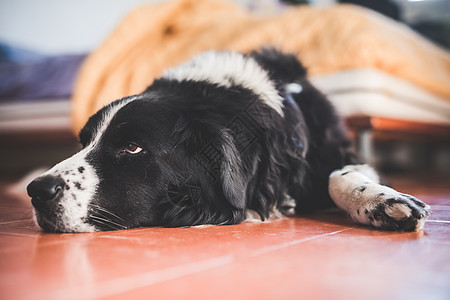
(44, 189)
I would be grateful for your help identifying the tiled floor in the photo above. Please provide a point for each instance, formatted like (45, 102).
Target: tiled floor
(322, 256)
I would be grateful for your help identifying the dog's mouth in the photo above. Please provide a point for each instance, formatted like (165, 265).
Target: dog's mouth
(47, 223)
(53, 223)
(46, 213)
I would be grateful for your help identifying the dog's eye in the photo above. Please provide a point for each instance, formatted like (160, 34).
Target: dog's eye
(132, 148)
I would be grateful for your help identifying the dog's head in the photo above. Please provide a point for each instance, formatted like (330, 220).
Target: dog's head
(203, 143)
(145, 161)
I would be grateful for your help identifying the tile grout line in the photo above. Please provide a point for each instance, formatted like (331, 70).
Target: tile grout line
(130, 283)
(295, 242)
(440, 207)
(437, 221)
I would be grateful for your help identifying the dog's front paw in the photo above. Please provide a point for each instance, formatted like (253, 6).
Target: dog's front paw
(399, 212)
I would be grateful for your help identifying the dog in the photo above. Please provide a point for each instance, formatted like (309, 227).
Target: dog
(217, 140)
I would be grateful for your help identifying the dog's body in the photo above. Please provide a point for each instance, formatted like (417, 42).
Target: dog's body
(211, 140)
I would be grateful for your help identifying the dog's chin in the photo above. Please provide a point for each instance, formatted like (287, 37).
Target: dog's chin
(46, 223)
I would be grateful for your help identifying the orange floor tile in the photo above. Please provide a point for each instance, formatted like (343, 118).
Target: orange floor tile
(322, 256)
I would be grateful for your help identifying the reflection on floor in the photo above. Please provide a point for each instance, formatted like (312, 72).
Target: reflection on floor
(321, 256)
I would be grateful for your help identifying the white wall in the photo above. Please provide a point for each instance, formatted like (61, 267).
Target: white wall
(61, 26)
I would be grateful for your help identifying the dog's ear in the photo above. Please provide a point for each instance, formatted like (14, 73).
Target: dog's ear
(231, 172)
(216, 155)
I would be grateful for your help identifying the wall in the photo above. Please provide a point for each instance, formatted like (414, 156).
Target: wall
(61, 26)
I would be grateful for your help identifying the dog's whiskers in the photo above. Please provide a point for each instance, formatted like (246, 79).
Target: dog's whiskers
(102, 209)
(107, 222)
(28, 213)
(28, 216)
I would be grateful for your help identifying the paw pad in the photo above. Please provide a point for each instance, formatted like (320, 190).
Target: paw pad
(401, 212)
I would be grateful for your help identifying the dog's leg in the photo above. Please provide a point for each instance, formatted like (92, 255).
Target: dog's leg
(285, 208)
(356, 189)
(287, 205)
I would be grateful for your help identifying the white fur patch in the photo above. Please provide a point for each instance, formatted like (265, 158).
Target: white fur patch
(226, 69)
(293, 88)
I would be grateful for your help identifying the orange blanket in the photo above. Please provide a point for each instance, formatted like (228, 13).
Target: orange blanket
(155, 37)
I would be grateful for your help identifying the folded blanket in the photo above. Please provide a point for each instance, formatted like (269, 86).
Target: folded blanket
(155, 37)
(27, 76)
(45, 78)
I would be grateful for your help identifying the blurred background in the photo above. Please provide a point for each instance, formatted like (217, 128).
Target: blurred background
(44, 43)
(55, 27)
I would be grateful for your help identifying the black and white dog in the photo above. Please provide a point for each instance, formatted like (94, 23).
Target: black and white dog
(216, 140)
